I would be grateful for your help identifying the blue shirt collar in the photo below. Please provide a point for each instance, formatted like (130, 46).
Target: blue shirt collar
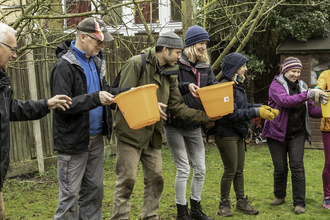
(81, 54)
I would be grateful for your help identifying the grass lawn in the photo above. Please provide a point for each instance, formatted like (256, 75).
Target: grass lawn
(36, 196)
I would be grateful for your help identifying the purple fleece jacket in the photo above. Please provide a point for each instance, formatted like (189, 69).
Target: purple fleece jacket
(280, 99)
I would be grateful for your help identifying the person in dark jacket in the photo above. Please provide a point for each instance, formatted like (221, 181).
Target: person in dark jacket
(16, 110)
(195, 72)
(79, 73)
(286, 135)
(230, 134)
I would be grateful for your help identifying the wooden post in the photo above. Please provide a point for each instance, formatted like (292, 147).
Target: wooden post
(34, 96)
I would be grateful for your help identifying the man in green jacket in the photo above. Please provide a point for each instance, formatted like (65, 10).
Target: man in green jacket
(145, 144)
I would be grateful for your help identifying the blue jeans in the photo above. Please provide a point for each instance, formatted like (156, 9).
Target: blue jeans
(177, 139)
(81, 175)
(294, 148)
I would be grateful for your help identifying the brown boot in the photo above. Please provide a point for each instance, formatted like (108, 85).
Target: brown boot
(242, 205)
(224, 208)
(299, 210)
(277, 201)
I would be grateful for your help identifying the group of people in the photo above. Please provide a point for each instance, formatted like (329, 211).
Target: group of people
(82, 115)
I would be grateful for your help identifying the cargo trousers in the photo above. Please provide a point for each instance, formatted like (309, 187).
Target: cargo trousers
(127, 161)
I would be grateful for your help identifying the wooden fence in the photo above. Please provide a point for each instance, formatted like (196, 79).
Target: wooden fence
(32, 73)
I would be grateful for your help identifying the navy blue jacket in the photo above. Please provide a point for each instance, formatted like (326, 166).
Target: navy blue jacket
(201, 75)
(237, 122)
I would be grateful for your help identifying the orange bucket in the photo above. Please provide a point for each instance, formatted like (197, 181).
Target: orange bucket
(217, 100)
(326, 108)
(139, 106)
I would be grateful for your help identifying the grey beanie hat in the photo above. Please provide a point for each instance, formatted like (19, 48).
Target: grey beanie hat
(170, 40)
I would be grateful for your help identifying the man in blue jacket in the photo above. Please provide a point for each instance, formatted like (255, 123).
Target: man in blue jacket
(16, 110)
(79, 73)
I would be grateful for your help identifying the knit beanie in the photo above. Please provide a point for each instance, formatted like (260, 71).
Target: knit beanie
(196, 34)
(170, 40)
(293, 63)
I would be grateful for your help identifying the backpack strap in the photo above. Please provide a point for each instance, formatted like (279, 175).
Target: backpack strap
(144, 62)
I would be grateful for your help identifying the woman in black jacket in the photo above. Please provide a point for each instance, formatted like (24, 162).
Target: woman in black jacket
(195, 72)
(230, 133)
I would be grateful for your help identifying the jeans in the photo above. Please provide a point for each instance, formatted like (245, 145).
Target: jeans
(326, 169)
(177, 139)
(127, 160)
(81, 175)
(294, 148)
(232, 151)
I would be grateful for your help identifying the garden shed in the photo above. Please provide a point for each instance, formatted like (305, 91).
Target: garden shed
(315, 58)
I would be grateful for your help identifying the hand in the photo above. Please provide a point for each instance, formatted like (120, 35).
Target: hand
(192, 88)
(266, 114)
(106, 98)
(216, 118)
(162, 113)
(59, 101)
(273, 110)
(318, 95)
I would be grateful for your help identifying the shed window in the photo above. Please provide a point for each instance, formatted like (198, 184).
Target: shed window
(319, 63)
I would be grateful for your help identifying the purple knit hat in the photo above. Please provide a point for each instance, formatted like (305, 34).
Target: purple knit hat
(293, 63)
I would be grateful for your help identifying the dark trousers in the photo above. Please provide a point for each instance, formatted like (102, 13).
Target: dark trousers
(294, 149)
(232, 151)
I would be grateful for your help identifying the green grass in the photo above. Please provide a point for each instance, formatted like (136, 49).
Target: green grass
(36, 196)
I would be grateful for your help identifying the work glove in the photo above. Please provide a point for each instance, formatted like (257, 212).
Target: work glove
(273, 110)
(265, 114)
(318, 95)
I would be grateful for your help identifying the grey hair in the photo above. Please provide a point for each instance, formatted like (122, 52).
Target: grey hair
(4, 30)
(79, 33)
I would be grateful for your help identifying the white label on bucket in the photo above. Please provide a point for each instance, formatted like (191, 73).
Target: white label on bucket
(123, 112)
(226, 99)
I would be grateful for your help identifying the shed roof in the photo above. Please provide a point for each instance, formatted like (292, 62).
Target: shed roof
(291, 45)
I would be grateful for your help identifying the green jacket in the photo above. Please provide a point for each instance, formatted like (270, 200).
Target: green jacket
(167, 93)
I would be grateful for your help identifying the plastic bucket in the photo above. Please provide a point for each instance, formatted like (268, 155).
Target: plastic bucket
(139, 106)
(217, 100)
(326, 108)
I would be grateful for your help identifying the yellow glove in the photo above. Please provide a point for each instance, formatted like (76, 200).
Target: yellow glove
(273, 110)
(266, 114)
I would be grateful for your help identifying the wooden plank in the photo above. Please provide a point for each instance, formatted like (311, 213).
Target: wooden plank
(29, 166)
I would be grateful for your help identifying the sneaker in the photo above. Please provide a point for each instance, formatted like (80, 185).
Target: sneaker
(224, 208)
(242, 205)
(277, 201)
(299, 210)
(326, 203)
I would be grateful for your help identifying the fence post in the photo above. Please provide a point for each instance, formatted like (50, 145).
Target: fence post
(34, 96)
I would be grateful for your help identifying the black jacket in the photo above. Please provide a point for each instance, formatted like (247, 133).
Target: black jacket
(237, 122)
(14, 110)
(201, 75)
(71, 127)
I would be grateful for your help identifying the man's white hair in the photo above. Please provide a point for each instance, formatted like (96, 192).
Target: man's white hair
(4, 30)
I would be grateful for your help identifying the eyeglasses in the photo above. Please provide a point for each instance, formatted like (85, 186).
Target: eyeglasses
(13, 49)
(98, 41)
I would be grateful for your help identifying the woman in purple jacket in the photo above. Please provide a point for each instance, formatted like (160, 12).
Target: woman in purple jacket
(286, 134)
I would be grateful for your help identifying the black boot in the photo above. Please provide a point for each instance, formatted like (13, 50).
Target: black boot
(183, 212)
(197, 212)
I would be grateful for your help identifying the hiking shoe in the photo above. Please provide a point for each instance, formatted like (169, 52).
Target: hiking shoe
(299, 210)
(326, 203)
(277, 201)
(183, 213)
(224, 208)
(242, 205)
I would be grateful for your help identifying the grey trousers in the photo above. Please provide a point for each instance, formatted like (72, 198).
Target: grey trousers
(177, 139)
(127, 160)
(81, 175)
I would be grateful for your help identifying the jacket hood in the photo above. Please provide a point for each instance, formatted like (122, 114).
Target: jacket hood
(63, 48)
(231, 63)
